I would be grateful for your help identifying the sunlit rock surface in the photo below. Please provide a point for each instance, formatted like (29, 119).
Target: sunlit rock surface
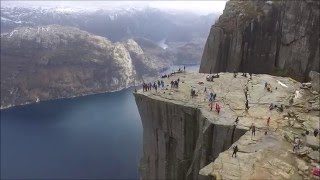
(183, 139)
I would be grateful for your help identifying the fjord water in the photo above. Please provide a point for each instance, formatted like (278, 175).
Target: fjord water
(96, 136)
(91, 137)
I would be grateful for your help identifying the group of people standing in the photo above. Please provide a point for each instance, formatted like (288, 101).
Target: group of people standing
(211, 100)
(235, 74)
(150, 86)
(161, 84)
(175, 83)
(267, 86)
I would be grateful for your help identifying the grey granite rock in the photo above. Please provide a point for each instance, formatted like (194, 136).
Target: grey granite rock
(275, 37)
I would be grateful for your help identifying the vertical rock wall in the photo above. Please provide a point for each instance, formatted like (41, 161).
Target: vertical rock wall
(277, 37)
(178, 141)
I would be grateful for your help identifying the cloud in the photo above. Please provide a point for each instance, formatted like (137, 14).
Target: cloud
(202, 7)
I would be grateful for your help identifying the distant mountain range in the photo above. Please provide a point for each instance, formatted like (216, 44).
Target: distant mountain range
(54, 53)
(116, 25)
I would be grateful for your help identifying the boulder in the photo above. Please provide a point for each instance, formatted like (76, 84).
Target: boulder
(303, 151)
(288, 137)
(302, 165)
(313, 142)
(314, 155)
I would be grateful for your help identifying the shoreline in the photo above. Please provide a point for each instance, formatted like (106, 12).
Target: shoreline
(60, 98)
(147, 78)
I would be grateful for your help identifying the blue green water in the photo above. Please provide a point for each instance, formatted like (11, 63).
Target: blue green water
(96, 136)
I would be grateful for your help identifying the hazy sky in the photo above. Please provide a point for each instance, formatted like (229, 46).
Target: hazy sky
(203, 7)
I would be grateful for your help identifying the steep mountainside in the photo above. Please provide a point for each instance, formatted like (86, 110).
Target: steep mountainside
(277, 37)
(49, 62)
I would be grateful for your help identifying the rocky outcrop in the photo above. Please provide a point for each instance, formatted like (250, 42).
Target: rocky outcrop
(146, 62)
(178, 140)
(49, 62)
(275, 37)
(183, 139)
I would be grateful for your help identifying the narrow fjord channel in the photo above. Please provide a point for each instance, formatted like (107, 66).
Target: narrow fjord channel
(93, 137)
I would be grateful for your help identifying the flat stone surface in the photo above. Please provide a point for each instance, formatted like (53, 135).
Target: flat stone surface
(262, 156)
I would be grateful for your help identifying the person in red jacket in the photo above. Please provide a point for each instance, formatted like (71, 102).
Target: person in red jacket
(218, 107)
(316, 171)
(211, 105)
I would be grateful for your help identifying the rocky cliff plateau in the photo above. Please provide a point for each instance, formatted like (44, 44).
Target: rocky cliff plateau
(183, 139)
(274, 37)
(49, 62)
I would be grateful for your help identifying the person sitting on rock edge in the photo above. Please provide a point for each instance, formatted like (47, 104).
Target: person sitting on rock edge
(235, 150)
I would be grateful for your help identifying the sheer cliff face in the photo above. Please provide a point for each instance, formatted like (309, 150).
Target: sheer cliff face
(178, 140)
(277, 37)
(49, 62)
(184, 139)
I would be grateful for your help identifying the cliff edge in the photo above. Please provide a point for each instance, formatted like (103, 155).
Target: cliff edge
(274, 37)
(183, 139)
